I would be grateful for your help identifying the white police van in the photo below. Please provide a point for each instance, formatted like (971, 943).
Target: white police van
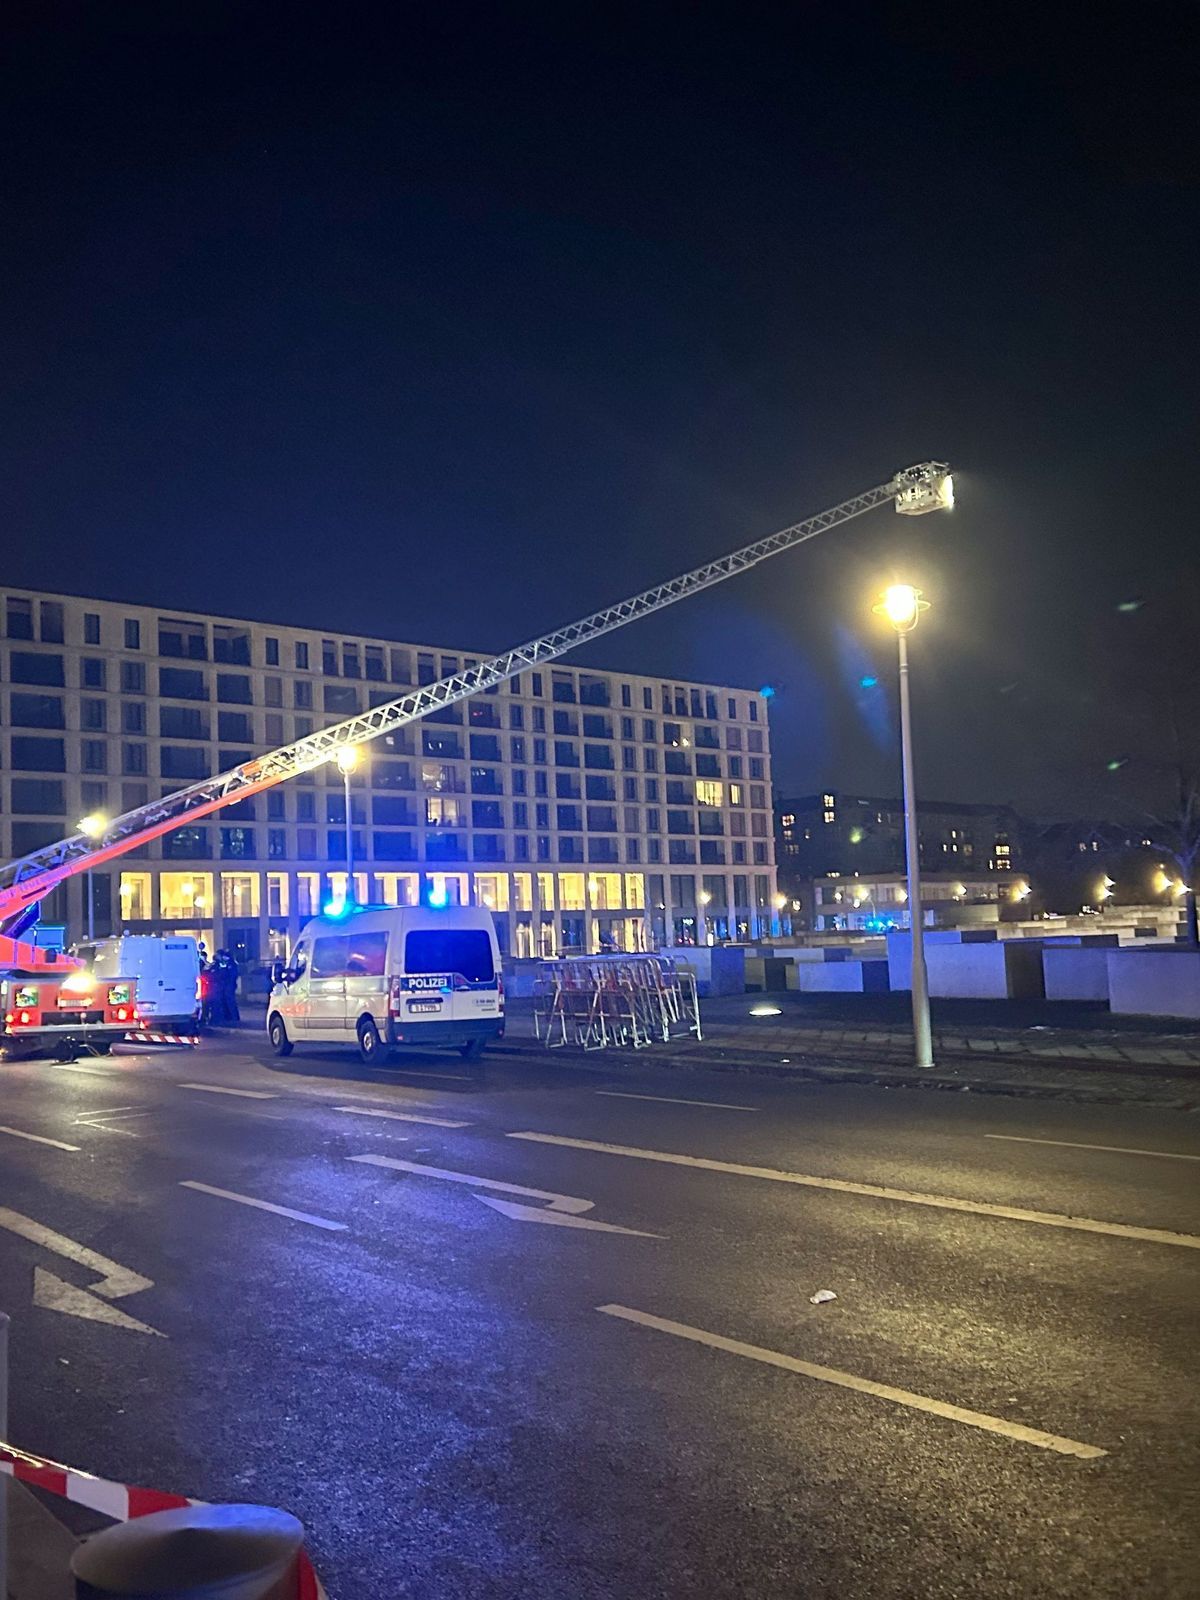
(386, 976)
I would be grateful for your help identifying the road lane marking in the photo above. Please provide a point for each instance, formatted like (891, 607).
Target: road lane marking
(1074, 1144)
(37, 1138)
(564, 1209)
(52, 1294)
(1050, 1219)
(265, 1205)
(670, 1100)
(848, 1380)
(399, 1116)
(116, 1281)
(242, 1094)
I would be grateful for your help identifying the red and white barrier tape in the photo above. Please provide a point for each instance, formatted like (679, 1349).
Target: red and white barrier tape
(144, 1037)
(120, 1501)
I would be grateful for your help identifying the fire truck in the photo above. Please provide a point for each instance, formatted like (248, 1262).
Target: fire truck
(52, 1001)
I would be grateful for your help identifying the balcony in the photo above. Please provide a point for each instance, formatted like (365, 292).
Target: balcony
(483, 715)
(445, 847)
(443, 746)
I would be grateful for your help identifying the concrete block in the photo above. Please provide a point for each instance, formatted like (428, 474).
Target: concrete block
(719, 969)
(1164, 982)
(842, 977)
(1011, 970)
(1075, 972)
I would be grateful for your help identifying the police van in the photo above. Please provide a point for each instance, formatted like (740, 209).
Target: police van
(385, 976)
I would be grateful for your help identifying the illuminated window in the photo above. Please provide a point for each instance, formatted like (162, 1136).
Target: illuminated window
(570, 891)
(522, 891)
(277, 894)
(709, 792)
(185, 896)
(308, 894)
(136, 898)
(827, 800)
(735, 794)
(442, 811)
(397, 888)
(830, 816)
(239, 894)
(788, 821)
(545, 889)
(491, 890)
(604, 891)
(635, 891)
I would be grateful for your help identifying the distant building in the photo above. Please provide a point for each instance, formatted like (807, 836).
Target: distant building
(590, 810)
(875, 902)
(836, 836)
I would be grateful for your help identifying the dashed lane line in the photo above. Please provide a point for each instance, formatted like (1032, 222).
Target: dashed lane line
(399, 1116)
(872, 1191)
(37, 1138)
(670, 1100)
(849, 1380)
(265, 1205)
(1075, 1144)
(242, 1094)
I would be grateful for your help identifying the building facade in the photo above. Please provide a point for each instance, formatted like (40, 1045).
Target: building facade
(590, 810)
(877, 902)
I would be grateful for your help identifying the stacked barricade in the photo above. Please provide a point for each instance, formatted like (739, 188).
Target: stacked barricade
(626, 1001)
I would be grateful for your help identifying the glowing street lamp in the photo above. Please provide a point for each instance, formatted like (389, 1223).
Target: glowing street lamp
(902, 605)
(92, 827)
(347, 758)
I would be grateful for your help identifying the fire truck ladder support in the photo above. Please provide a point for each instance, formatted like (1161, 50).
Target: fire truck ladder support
(926, 487)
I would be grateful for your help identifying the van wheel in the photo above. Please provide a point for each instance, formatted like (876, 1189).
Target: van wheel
(370, 1045)
(278, 1036)
(473, 1049)
(102, 1048)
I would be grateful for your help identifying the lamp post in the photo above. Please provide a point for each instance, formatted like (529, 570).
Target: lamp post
(91, 826)
(347, 760)
(902, 606)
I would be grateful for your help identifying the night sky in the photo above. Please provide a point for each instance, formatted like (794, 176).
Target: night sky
(452, 323)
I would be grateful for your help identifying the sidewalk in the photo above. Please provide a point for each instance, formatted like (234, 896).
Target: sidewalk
(986, 1047)
(39, 1548)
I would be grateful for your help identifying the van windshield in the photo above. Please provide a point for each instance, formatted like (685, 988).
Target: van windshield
(465, 951)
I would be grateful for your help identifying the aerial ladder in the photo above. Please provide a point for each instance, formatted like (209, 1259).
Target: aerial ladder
(23, 883)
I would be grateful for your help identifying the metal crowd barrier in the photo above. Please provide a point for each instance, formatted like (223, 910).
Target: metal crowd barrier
(627, 1001)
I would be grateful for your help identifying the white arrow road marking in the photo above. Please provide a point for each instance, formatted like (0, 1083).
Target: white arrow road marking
(399, 1116)
(115, 1281)
(848, 1380)
(38, 1138)
(265, 1205)
(52, 1294)
(563, 1209)
(875, 1191)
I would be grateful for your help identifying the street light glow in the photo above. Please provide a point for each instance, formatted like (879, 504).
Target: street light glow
(347, 758)
(901, 603)
(93, 825)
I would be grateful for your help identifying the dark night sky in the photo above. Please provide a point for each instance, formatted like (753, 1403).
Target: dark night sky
(450, 324)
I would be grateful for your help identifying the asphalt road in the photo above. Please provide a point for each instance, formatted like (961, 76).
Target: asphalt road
(465, 1388)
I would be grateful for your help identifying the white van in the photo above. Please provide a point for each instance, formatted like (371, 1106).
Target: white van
(388, 976)
(167, 972)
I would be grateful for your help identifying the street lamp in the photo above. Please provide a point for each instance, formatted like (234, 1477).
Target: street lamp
(92, 827)
(902, 605)
(347, 760)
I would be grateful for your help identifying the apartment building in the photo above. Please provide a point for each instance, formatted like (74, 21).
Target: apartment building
(590, 810)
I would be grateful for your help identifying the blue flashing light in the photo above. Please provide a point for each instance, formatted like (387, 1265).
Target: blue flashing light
(767, 691)
(439, 899)
(868, 683)
(337, 908)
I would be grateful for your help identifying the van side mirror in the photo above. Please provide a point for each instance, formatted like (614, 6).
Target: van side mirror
(278, 972)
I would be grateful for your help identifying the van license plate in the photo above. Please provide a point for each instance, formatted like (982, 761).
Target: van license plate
(424, 1005)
